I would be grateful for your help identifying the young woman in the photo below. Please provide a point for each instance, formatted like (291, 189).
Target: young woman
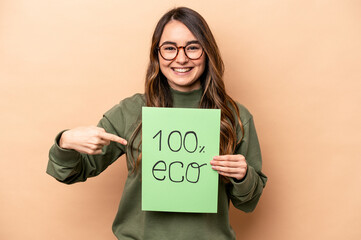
(185, 70)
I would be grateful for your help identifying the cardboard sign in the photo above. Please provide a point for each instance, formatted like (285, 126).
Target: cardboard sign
(177, 146)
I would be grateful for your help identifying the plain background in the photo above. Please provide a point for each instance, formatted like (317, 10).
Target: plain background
(296, 65)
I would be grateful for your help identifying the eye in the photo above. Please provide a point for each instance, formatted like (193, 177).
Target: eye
(193, 47)
(169, 48)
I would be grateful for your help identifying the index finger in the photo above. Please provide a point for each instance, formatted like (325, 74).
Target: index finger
(112, 137)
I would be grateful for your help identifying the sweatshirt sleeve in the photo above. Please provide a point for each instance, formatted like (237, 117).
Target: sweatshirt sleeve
(245, 194)
(70, 166)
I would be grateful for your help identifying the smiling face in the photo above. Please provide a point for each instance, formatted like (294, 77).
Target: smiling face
(182, 73)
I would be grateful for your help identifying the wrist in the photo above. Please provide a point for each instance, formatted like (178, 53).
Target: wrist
(62, 141)
(242, 178)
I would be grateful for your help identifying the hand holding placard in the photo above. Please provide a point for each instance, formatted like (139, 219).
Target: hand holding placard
(234, 166)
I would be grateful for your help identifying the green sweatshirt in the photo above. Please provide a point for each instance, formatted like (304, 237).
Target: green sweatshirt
(69, 166)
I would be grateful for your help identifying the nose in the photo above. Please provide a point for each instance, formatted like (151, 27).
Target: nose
(181, 57)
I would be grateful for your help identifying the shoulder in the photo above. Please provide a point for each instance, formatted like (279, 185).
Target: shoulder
(128, 105)
(125, 115)
(137, 100)
(247, 127)
(244, 113)
(127, 110)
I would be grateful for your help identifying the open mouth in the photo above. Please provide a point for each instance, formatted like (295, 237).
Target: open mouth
(182, 70)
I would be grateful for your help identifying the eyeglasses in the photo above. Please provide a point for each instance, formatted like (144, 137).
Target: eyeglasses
(170, 51)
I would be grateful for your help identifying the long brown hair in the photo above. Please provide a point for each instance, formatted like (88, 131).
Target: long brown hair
(157, 89)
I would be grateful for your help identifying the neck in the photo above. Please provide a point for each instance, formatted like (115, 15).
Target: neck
(189, 99)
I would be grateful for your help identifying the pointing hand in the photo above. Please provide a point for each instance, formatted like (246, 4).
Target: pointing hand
(88, 140)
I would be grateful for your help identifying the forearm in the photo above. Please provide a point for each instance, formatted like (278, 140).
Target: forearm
(69, 166)
(246, 193)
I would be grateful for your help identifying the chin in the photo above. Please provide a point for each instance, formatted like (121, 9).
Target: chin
(184, 86)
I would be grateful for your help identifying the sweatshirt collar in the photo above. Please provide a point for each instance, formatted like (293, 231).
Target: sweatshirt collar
(189, 99)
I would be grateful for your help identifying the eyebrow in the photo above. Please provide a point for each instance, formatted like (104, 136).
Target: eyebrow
(174, 43)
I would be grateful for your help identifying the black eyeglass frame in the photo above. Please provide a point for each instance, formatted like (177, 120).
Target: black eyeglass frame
(178, 48)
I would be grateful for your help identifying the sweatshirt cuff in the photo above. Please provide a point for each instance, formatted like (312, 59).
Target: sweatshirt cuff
(243, 187)
(62, 156)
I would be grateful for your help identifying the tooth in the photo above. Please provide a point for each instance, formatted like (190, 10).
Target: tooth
(181, 69)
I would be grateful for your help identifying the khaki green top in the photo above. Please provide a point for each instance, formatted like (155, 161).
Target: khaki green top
(69, 166)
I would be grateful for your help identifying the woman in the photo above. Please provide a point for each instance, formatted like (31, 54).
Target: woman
(185, 70)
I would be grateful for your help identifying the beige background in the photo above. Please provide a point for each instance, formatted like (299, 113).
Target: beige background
(295, 64)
